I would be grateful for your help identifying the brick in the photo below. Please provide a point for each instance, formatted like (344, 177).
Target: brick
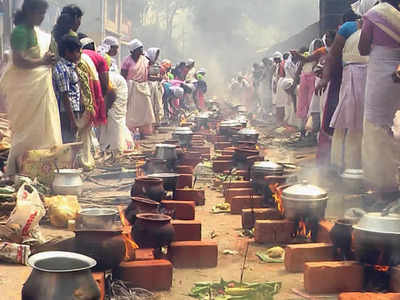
(395, 279)
(184, 180)
(324, 230)
(369, 296)
(222, 145)
(196, 195)
(153, 275)
(230, 193)
(274, 231)
(221, 166)
(249, 216)
(241, 202)
(194, 254)
(184, 210)
(297, 255)
(330, 277)
(144, 254)
(223, 158)
(181, 169)
(206, 157)
(187, 230)
(202, 149)
(236, 184)
(100, 279)
(221, 138)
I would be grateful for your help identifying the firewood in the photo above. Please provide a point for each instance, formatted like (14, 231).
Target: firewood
(10, 233)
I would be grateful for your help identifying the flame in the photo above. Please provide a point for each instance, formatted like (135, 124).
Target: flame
(277, 195)
(130, 244)
(303, 231)
(381, 268)
(183, 120)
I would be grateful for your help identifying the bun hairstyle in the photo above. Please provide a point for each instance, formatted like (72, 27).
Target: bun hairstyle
(65, 21)
(27, 7)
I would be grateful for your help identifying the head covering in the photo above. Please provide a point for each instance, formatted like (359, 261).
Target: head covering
(152, 54)
(86, 41)
(111, 41)
(277, 54)
(313, 46)
(135, 44)
(177, 91)
(190, 62)
(202, 71)
(361, 7)
(166, 64)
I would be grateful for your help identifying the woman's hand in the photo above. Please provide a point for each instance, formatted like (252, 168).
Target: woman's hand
(49, 59)
(321, 87)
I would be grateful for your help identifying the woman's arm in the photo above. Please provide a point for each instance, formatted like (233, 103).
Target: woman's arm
(23, 61)
(364, 45)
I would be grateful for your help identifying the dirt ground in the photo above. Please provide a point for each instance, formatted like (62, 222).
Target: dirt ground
(226, 227)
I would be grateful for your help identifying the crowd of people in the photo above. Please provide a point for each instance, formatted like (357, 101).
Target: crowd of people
(61, 88)
(342, 94)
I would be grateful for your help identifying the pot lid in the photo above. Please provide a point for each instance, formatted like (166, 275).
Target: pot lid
(164, 175)
(267, 165)
(183, 130)
(203, 115)
(304, 191)
(98, 212)
(248, 131)
(376, 222)
(230, 123)
(169, 146)
(353, 174)
(68, 171)
(61, 262)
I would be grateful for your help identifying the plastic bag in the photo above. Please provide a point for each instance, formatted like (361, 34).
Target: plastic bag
(61, 209)
(396, 126)
(27, 213)
(14, 253)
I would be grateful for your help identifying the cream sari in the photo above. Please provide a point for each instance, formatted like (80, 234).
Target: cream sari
(32, 105)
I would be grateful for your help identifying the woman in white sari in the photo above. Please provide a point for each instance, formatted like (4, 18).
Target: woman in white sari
(135, 70)
(27, 84)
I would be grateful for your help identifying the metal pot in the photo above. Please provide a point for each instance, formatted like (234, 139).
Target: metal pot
(353, 180)
(377, 239)
(242, 119)
(166, 152)
(184, 135)
(169, 179)
(304, 200)
(202, 120)
(62, 276)
(68, 182)
(229, 128)
(248, 134)
(155, 165)
(260, 170)
(97, 218)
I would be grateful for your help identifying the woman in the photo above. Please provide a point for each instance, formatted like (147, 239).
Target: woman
(27, 84)
(135, 69)
(380, 39)
(115, 136)
(109, 50)
(347, 119)
(155, 85)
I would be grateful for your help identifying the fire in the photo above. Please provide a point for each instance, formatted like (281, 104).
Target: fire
(277, 195)
(183, 120)
(130, 244)
(381, 268)
(303, 231)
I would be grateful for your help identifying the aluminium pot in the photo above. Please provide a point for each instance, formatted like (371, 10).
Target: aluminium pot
(353, 180)
(148, 187)
(67, 182)
(166, 152)
(229, 128)
(259, 170)
(97, 219)
(377, 239)
(59, 275)
(184, 135)
(155, 165)
(153, 231)
(248, 134)
(303, 200)
(202, 120)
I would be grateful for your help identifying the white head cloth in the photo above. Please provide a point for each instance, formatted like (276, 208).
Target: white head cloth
(111, 41)
(277, 54)
(134, 44)
(361, 7)
(152, 53)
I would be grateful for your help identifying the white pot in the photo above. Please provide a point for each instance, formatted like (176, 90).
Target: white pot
(68, 182)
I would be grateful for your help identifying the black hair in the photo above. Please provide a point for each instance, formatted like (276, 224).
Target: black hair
(286, 55)
(27, 7)
(90, 46)
(65, 21)
(82, 35)
(70, 43)
(350, 16)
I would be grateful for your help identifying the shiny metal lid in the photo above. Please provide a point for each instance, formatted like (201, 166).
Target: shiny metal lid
(353, 174)
(304, 191)
(166, 146)
(376, 222)
(267, 165)
(248, 131)
(230, 123)
(183, 130)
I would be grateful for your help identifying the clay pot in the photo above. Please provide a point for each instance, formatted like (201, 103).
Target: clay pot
(140, 206)
(184, 169)
(146, 187)
(153, 231)
(106, 247)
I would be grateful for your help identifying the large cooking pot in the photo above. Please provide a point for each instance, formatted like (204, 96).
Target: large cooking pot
(139, 206)
(169, 179)
(229, 128)
(260, 170)
(148, 187)
(184, 135)
(248, 134)
(67, 182)
(155, 165)
(59, 275)
(304, 200)
(166, 152)
(377, 239)
(97, 218)
(202, 120)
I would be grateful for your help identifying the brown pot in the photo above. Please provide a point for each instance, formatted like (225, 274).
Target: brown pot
(145, 187)
(140, 206)
(106, 247)
(153, 231)
(182, 169)
(196, 195)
